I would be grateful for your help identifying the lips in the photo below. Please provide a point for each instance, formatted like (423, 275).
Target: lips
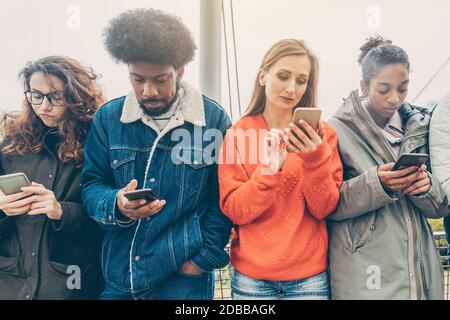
(153, 103)
(285, 99)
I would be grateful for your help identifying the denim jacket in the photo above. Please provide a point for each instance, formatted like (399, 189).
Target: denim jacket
(179, 164)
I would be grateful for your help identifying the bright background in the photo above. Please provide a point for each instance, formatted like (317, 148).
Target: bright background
(334, 30)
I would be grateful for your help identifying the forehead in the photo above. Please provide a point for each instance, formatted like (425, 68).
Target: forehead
(391, 74)
(296, 64)
(149, 70)
(46, 82)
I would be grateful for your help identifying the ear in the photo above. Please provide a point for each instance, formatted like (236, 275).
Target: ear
(262, 78)
(364, 88)
(180, 72)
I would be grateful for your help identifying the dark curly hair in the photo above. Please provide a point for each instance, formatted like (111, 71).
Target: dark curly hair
(376, 53)
(24, 131)
(149, 35)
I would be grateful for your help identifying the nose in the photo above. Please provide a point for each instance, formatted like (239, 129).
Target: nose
(46, 105)
(290, 87)
(150, 90)
(394, 99)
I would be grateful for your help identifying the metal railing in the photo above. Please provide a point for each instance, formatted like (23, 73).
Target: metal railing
(222, 290)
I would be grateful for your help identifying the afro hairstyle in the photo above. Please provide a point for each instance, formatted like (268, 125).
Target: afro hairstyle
(151, 36)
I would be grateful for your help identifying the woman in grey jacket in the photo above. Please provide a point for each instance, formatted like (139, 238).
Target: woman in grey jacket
(381, 245)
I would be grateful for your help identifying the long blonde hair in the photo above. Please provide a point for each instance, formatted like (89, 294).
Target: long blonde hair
(281, 49)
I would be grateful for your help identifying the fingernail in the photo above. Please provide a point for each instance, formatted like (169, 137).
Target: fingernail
(143, 202)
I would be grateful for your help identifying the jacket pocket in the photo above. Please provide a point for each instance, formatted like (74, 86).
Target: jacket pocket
(361, 228)
(11, 266)
(192, 173)
(122, 163)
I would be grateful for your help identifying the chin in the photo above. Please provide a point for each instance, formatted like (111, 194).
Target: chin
(50, 124)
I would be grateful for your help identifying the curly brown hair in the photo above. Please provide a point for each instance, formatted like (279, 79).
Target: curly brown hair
(82, 97)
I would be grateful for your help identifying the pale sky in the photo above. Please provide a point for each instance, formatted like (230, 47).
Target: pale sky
(334, 30)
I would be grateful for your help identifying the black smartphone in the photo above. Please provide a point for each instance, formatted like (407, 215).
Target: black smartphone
(146, 194)
(11, 183)
(409, 160)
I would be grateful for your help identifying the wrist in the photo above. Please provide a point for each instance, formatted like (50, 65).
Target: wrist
(58, 212)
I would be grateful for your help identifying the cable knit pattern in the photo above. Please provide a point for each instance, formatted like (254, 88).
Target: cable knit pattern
(280, 232)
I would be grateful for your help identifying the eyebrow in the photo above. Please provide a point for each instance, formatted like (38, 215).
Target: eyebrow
(50, 92)
(156, 76)
(301, 74)
(388, 84)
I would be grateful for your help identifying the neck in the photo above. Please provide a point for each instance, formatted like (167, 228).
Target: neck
(277, 118)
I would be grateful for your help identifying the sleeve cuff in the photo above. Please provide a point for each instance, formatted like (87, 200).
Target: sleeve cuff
(381, 194)
(208, 263)
(117, 217)
(67, 219)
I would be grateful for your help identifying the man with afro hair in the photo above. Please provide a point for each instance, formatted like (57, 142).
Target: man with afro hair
(162, 244)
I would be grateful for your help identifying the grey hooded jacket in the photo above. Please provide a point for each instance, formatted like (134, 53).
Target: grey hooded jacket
(381, 245)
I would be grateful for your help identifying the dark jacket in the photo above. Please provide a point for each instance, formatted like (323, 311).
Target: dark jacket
(39, 257)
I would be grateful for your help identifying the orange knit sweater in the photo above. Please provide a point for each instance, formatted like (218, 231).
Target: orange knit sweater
(280, 232)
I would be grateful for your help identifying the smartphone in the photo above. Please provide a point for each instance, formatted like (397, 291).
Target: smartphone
(310, 115)
(146, 194)
(11, 183)
(409, 160)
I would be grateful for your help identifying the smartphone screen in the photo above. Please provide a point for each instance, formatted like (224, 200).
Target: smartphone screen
(409, 160)
(146, 194)
(11, 183)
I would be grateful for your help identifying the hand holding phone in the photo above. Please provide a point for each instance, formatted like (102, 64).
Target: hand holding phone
(408, 175)
(14, 201)
(306, 130)
(138, 204)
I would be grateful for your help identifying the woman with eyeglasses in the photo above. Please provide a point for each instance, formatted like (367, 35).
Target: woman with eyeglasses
(49, 249)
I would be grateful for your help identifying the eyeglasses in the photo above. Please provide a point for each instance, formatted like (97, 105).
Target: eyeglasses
(36, 98)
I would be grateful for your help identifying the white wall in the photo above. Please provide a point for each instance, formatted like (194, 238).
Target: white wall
(334, 29)
(33, 29)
